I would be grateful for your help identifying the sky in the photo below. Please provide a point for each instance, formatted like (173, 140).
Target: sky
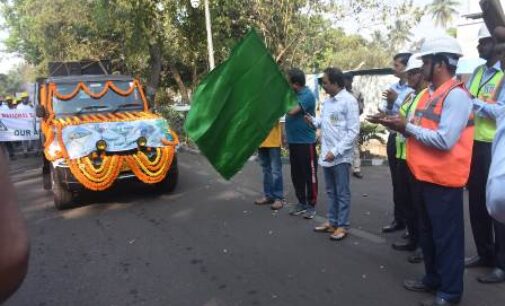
(424, 28)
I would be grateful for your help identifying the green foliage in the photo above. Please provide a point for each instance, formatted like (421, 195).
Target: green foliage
(164, 41)
(443, 11)
(370, 131)
(12, 82)
(175, 119)
(453, 32)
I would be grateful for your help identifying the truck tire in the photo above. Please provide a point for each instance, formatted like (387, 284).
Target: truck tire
(169, 183)
(63, 198)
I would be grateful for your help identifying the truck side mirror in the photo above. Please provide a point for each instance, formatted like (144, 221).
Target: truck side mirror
(40, 111)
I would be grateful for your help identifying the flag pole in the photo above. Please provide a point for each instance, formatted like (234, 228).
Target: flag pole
(210, 46)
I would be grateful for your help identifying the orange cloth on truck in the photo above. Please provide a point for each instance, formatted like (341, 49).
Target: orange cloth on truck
(274, 139)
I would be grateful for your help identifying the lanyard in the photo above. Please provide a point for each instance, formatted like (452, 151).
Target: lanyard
(487, 81)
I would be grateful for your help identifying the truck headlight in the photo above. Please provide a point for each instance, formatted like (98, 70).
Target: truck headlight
(142, 142)
(101, 145)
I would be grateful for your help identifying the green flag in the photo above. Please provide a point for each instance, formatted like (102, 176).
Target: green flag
(237, 104)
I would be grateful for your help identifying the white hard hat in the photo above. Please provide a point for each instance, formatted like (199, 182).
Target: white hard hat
(484, 32)
(403, 53)
(441, 44)
(414, 63)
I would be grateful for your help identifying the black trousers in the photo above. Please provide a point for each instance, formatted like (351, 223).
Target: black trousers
(442, 238)
(10, 147)
(488, 234)
(391, 152)
(408, 203)
(303, 160)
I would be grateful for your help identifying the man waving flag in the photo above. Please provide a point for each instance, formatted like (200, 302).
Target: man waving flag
(237, 104)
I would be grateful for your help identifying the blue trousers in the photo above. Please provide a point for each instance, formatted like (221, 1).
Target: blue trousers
(339, 194)
(442, 239)
(270, 160)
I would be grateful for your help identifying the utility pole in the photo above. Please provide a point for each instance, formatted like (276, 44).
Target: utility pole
(210, 45)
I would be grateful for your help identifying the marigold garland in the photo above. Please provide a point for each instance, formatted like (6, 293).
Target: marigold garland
(47, 127)
(93, 178)
(103, 176)
(151, 172)
(82, 86)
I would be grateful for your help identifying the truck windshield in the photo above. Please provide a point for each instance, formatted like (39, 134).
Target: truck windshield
(82, 103)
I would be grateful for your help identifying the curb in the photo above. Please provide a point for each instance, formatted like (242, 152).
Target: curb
(285, 160)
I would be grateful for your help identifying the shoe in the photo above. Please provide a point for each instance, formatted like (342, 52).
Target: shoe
(393, 227)
(358, 174)
(404, 246)
(278, 204)
(496, 276)
(417, 257)
(263, 201)
(310, 213)
(438, 301)
(406, 235)
(339, 234)
(298, 209)
(325, 228)
(416, 286)
(477, 261)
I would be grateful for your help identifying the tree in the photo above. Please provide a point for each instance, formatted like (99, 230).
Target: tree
(164, 41)
(16, 79)
(443, 11)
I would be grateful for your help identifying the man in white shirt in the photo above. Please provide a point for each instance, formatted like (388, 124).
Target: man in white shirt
(25, 105)
(339, 124)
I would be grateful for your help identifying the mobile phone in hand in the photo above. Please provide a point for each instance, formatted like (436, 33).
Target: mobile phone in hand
(301, 109)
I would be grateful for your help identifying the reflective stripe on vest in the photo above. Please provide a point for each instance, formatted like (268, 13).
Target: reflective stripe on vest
(445, 168)
(485, 128)
(406, 111)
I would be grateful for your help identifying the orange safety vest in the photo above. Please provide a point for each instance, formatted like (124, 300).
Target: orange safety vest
(446, 168)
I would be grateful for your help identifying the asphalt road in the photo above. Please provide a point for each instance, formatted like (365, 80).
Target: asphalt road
(207, 244)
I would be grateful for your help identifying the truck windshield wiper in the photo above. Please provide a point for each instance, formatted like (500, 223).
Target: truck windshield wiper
(89, 108)
(126, 105)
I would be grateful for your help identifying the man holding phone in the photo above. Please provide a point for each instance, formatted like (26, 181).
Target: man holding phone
(301, 138)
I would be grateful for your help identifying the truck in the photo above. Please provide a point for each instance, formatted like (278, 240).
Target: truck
(98, 130)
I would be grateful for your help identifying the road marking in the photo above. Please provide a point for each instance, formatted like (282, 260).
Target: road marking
(357, 232)
(248, 191)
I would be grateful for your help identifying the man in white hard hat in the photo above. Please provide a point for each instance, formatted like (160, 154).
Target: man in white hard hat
(406, 182)
(394, 97)
(439, 152)
(489, 235)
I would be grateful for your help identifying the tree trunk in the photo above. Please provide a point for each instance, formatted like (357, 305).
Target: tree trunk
(180, 83)
(155, 71)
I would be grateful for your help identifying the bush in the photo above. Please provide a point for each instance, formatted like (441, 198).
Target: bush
(175, 120)
(370, 131)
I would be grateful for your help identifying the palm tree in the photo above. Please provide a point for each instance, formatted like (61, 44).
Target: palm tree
(398, 34)
(442, 11)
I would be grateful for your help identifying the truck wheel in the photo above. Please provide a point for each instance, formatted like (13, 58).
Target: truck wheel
(63, 198)
(169, 183)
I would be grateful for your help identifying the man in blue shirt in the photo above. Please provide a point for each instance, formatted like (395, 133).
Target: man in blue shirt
(395, 97)
(301, 138)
